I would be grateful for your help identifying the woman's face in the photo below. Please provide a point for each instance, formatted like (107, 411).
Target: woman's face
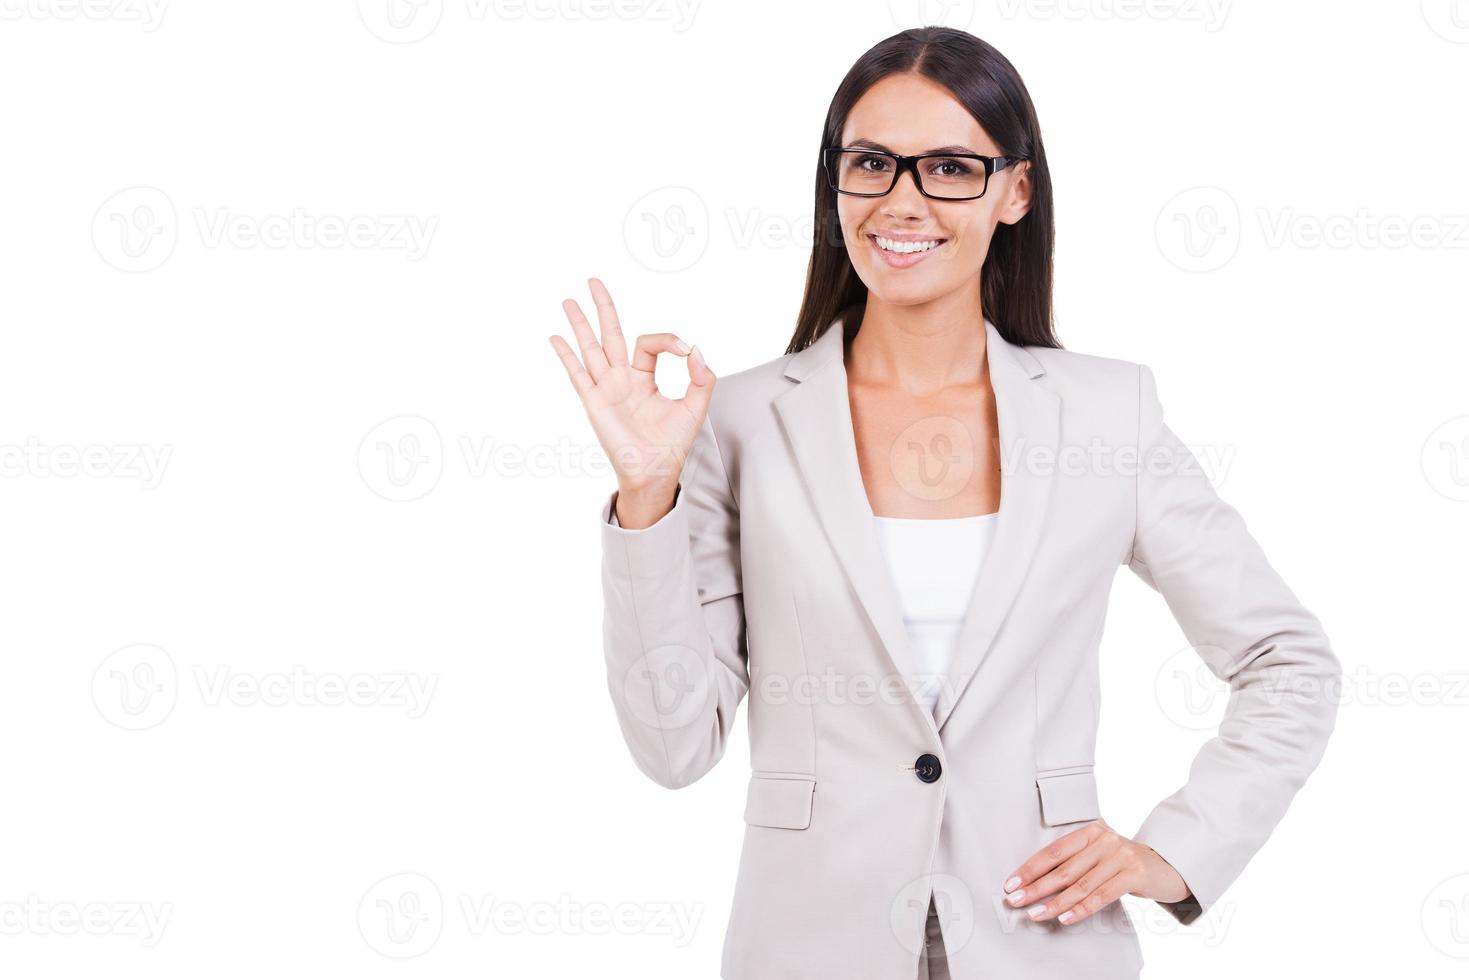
(909, 114)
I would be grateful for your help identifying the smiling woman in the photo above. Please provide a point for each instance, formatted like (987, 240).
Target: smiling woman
(837, 522)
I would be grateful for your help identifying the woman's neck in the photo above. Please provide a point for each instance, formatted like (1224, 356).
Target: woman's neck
(920, 349)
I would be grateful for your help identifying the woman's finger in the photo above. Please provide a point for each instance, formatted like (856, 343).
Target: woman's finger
(591, 350)
(580, 380)
(1104, 895)
(614, 345)
(1101, 865)
(701, 385)
(650, 345)
(1048, 857)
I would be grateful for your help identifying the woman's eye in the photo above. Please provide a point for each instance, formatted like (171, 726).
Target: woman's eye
(949, 168)
(872, 163)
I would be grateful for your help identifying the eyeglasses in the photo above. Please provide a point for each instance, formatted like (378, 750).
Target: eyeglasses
(873, 173)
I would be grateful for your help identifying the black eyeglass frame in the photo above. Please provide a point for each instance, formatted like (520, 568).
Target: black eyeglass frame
(910, 164)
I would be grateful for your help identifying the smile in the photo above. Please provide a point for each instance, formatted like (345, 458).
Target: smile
(901, 255)
(890, 245)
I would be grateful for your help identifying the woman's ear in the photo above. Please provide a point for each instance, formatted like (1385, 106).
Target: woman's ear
(1018, 191)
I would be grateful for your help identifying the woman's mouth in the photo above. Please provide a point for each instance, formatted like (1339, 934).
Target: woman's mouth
(902, 254)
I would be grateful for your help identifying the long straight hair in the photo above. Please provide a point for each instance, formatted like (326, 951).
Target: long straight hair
(1015, 283)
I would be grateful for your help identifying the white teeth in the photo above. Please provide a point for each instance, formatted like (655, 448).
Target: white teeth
(891, 246)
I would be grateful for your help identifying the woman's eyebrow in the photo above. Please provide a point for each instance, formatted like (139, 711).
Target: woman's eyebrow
(874, 145)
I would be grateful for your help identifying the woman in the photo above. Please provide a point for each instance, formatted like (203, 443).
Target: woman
(885, 539)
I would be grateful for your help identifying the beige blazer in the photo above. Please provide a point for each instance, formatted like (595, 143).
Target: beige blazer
(767, 579)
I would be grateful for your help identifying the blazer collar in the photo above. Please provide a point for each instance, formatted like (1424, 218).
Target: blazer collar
(816, 415)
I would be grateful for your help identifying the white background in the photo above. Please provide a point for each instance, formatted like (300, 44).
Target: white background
(368, 470)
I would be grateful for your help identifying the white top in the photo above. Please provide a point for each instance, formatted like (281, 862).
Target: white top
(933, 564)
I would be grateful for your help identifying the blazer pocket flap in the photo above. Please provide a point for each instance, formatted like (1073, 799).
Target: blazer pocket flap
(780, 801)
(1067, 797)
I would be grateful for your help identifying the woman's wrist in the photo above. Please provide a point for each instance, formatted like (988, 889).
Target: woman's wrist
(642, 507)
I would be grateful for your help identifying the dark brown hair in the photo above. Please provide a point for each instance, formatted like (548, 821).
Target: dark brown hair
(1015, 283)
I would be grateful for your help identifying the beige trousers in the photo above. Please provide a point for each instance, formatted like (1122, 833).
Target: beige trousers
(933, 963)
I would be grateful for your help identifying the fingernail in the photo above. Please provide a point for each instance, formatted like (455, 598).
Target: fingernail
(1018, 897)
(698, 355)
(680, 346)
(1014, 880)
(1066, 916)
(1037, 912)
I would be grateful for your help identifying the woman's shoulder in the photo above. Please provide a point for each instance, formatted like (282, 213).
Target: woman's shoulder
(755, 385)
(1077, 372)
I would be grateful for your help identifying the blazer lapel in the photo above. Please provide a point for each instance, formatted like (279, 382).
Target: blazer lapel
(816, 415)
(1029, 422)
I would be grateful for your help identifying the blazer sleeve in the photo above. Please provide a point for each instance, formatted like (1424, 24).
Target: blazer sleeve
(674, 623)
(1251, 631)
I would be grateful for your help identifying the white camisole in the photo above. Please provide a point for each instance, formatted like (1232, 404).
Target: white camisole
(933, 564)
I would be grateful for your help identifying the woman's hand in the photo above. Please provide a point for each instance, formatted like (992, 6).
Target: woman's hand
(646, 436)
(1088, 869)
